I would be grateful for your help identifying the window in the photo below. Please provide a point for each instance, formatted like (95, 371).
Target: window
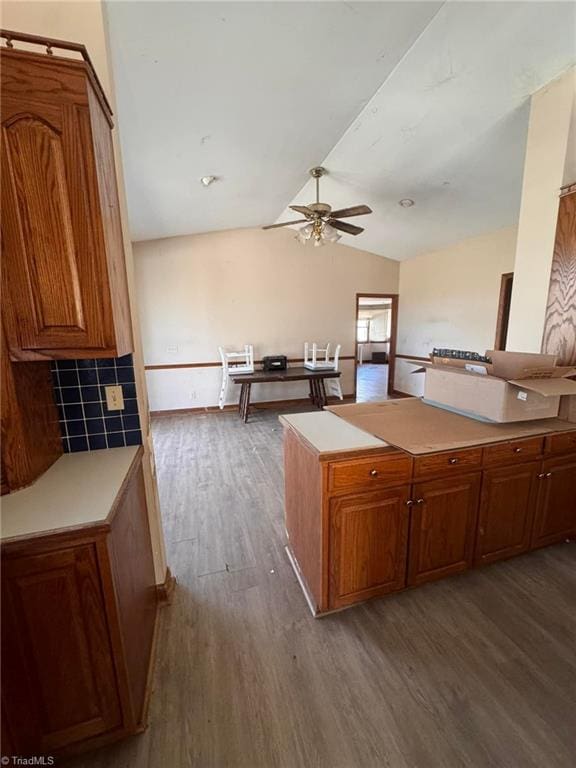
(362, 327)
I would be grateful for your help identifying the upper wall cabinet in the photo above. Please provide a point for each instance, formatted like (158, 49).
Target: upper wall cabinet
(63, 269)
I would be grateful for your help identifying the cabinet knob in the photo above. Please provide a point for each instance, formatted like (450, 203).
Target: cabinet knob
(419, 501)
(548, 474)
(541, 476)
(517, 450)
(373, 473)
(409, 503)
(453, 461)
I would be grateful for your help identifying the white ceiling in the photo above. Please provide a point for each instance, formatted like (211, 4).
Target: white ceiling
(421, 100)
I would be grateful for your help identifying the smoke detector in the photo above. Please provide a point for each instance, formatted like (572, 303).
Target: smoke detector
(207, 180)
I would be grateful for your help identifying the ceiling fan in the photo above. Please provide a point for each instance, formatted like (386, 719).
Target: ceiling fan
(321, 221)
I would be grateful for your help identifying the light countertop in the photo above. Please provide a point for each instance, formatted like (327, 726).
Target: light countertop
(78, 489)
(328, 433)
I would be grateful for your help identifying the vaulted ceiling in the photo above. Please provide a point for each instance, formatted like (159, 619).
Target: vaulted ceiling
(426, 100)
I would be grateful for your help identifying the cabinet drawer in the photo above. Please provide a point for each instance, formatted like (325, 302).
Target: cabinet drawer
(513, 452)
(563, 443)
(448, 463)
(368, 474)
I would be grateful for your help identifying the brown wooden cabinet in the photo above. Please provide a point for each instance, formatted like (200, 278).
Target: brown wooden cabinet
(30, 438)
(63, 271)
(507, 507)
(368, 544)
(443, 527)
(556, 511)
(365, 522)
(78, 622)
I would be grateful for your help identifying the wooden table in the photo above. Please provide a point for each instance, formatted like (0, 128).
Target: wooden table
(315, 379)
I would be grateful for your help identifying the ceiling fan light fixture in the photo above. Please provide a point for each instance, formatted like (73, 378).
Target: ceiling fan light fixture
(330, 234)
(305, 233)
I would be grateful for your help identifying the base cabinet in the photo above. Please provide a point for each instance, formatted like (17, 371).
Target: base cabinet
(556, 511)
(442, 527)
(59, 676)
(370, 522)
(78, 622)
(368, 545)
(507, 508)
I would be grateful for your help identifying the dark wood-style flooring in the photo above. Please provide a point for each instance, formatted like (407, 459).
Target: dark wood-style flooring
(477, 670)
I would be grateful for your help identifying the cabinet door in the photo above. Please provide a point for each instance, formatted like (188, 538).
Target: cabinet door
(443, 527)
(556, 512)
(50, 235)
(368, 545)
(59, 685)
(507, 507)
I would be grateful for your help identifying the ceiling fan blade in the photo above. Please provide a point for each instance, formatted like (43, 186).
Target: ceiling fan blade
(355, 210)
(286, 224)
(302, 209)
(351, 229)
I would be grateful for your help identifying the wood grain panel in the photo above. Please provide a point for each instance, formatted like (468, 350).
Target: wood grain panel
(560, 325)
(443, 527)
(31, 440)
(507, 507)
(368, 544)
(54, 610)
(562, 443)
(556, 512)
(448, 463)
(365, 474)
(513, 452)
(63, 269)
(303, 513)
(135, 586)
(35, 171)
(111, 225)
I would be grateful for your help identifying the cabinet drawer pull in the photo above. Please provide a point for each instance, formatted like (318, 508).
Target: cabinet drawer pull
(453, 461)
(419, 501)
(541, 476)
(373, 473)
(409, 503)
(548, 474)
(517, 450)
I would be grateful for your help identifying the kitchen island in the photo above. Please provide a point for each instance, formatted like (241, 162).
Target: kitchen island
(365, 518)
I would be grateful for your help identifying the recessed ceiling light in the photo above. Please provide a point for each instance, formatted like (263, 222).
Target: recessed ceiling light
(406, 202)
(207, 180)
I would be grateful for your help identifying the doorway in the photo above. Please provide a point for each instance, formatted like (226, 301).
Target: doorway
(504, 310)
(376, 324)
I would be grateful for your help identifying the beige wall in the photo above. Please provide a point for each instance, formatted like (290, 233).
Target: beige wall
(544, 171)
(449, 298)
(246, 286)
(84, 21)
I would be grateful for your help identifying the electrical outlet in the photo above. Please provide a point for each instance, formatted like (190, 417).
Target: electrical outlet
(114, 398)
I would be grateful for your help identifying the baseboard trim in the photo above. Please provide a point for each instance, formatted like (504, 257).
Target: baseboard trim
(261, 405)
(165, 591)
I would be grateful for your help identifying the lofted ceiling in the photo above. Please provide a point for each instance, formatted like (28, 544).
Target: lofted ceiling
(426, 100)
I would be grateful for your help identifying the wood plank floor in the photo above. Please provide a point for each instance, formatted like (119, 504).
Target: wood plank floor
(478, 670)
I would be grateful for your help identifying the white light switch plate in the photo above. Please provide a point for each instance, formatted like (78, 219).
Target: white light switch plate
(114, 398)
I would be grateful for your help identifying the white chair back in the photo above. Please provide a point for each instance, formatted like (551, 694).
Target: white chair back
(237, 362)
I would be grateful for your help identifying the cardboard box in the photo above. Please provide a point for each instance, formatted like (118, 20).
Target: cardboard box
(413, 426)
(517, 387)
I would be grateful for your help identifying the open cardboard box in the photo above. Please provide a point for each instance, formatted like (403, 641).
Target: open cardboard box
(515, 387)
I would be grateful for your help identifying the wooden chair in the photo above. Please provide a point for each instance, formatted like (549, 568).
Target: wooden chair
(234, 362)
(318, 358)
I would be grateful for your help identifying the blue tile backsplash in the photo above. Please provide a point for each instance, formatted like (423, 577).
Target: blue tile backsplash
(85, 421)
